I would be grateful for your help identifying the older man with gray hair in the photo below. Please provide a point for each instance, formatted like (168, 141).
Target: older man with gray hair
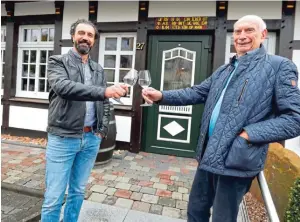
(250, 102)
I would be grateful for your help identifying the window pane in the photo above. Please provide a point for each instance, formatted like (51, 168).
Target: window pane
(111, 44)
(25, 56)
(50, 53)
(34, 35)
(44, 35)
(25, 71)
(109, 61)
(32, 71)
(24, 84)
(168, 55)
(51, 35)
(42, 71)
(190, 56)
(27, 35)
(3, 35)
(43, 58)
(126, 61)
(31, 84)
(122, 74)
(127, 44)
(110, 75)
(41, 85)
(33, 56)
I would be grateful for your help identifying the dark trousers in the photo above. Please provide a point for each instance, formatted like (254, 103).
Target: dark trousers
(223, 193)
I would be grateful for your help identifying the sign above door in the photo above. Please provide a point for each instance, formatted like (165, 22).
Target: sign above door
(180, 23)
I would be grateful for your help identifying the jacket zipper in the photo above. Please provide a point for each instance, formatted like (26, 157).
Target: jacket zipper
(243, 90)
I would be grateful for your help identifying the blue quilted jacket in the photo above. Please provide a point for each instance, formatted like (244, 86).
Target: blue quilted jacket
(262, 98)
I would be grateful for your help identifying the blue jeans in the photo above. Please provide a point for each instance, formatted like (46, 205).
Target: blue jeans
(68, 161)
(223, 193)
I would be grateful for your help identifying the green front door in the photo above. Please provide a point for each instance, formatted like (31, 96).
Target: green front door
(175, 62)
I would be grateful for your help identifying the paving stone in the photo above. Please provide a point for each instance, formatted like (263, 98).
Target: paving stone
(123, 193)
(37, 161)
(110, 183)
(144, 178)
(135, 167)
(11, 179)
(136, 196)
(98, 188)
(186, 197)
(129, 158)
(167, 201)
(145, 183)
(154, 179)
(135, 188)
(148, 190)
(172, 188)
(141, 206)
(6, 209)
(109, 177)
(163, 193)
(139, 157)
(13, 172)
(124, 186)
(176, 178)
(97, 197)
(146, 169)
(174, 169)
(156, 209)
(123, 179)
(183, 190)
(110, 200)
(14, 161)
(110, 191)
(160, 186)
(148, 198)
(183, 214)
(125, 203)
(171, 212)
(177, 196)
(182, 205)
(33, 184)
(193, 168)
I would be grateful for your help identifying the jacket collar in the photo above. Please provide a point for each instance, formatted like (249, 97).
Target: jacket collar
(249, 56)
(75, 55)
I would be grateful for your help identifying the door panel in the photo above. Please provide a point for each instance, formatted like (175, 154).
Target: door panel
(175, 62)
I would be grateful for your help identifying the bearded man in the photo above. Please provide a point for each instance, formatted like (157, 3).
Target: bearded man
(77, 122)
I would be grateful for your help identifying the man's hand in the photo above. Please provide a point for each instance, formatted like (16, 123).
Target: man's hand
(151, 95)
(244, 134)
(116, 91)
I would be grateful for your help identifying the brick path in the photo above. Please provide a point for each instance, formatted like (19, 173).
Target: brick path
(153, 183)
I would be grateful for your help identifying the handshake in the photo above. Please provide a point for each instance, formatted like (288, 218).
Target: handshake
(150, 94)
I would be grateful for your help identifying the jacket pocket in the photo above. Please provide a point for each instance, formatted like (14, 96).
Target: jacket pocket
(244, 156)
(243, 91)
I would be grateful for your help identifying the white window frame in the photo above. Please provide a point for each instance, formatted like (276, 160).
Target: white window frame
(38, 46)
(3, 48)
(118, 53)
(269, 43)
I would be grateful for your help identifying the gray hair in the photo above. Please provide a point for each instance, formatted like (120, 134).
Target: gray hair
(253, 19)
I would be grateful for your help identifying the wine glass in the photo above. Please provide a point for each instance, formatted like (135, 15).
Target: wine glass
(129, 79)
(145, 82)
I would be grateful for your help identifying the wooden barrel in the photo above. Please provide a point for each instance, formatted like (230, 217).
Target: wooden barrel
(108, 145)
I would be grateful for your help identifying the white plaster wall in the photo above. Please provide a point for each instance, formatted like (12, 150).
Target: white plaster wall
(117, 11)
(297, 22)
(181, 8)
(73, 11)
(264, 9)
(28, 118)
(34, 8)
(3, 10)
(65, 50)
(123, 124)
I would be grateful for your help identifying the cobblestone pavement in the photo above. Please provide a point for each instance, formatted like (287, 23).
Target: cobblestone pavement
(158, 184)
(17, 207)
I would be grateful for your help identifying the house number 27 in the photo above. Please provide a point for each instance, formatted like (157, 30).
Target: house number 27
(140, 46)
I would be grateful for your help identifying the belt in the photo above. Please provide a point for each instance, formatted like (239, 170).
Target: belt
(87, 129)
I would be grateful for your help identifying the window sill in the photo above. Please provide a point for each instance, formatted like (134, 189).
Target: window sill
(29, 100)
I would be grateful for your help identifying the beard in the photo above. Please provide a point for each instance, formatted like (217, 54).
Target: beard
(83, 47)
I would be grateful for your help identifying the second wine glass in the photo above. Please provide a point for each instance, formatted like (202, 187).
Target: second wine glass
(145, 82)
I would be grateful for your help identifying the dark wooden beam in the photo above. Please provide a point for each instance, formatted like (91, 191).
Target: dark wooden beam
(287, 30)
(35, 19)
(59, 10)
(117, 26)
(220, 35)
(93, 11)
(140, 64)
